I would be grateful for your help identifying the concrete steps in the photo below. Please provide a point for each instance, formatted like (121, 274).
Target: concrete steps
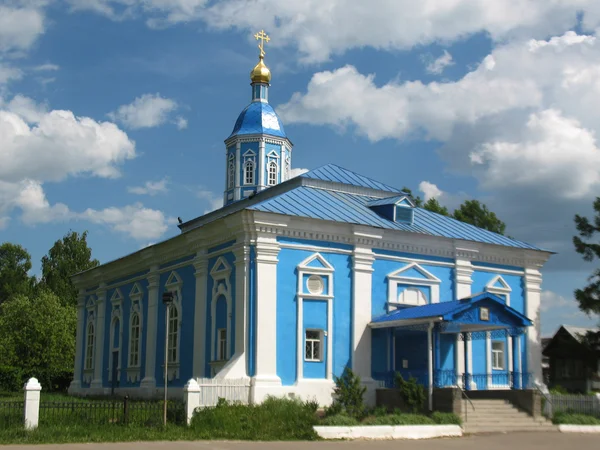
(499, 416)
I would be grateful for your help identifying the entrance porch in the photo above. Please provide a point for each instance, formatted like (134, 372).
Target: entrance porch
(474, 344)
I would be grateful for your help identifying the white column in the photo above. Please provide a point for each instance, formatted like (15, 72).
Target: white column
(148, 384)
(469, 359)
(201, 273)
(362, 273)
(463, 271)
(191, 398)
(32, 403)
(518, 363)
(96, 384)
(488, 358)
(267, 249)
(533, 282)
(430, 366)
(261, 165)
(75, 385)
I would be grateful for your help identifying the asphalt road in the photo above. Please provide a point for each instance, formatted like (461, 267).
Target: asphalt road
(512, 441)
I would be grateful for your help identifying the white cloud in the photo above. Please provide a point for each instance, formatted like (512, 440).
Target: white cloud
(49, 146)
(19, 27)
(437, 66)
(181, 123)
(150, 187)
(147, 111)
(47, 68)
(8, 73)
(214, 201)
(296, 172)
(430, 190)
(321, 28)
(556, 310)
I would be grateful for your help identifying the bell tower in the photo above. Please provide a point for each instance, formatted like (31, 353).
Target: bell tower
(258, 153)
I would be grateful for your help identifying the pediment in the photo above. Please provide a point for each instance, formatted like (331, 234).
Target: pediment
(414, 272)
(136, 291)
(498, 283)
(174, 279)
(220, 266)
(316, 261)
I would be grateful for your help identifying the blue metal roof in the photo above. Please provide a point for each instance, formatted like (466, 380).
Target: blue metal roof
(387, 201)
(305, 201)
(258, 118)
(449, 310)
(331, 172)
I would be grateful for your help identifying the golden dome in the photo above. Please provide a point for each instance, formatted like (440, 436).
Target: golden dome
(260, 73)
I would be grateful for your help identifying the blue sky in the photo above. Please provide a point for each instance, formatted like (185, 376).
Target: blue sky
(113, 113)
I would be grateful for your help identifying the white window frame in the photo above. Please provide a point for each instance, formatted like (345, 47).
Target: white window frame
(90, 342)
(221, 275)
(397, 278)
(134, 341)
(174, 284)
(306, 269)
(503, 292)
(272, 181)
(499, 356)
(135, 297)
(117, 318)
(249, 172)
(312, 341)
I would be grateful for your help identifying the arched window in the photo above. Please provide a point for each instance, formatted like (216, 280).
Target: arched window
(173, 331)
(134, 341)
(89, 347)
(249, 172)
(231, 172)
(272, 173)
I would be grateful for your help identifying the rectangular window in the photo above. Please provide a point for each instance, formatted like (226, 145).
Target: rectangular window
(222, 344)
(313, 345)
(498, 355)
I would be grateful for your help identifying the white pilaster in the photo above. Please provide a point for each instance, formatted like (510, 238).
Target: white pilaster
(463, 271)
(191, 398)
(533, 290)
(96, 384)
(201, 274)
(267, 249)
(469, 359)
(261, 165)
(362, 273)
(237, 366)
(238, 167)
(148, 384)
(488, 358)
(75, 385)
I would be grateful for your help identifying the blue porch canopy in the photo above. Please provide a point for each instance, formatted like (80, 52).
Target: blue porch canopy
(479, 312)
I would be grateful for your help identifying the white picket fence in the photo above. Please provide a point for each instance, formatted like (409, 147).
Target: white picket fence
(579, 404)
(232, 390)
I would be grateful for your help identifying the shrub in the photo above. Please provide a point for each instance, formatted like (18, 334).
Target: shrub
(348, 395)
(274, 419)
(339, 420)
(575, 419)
(412, 393)
(446, 418)
(399, 419)
(559, 390)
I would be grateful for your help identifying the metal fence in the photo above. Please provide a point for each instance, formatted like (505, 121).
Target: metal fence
(576, 404)
(232, 390)
(11, 414)
(449, 378)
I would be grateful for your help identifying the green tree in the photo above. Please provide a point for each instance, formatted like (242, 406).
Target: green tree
(475, 213)
(67, 257)
(15, 263)
(36, 336)
(589, 297)
(434, 206)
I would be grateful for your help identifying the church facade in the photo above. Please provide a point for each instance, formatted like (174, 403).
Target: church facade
(295, 279)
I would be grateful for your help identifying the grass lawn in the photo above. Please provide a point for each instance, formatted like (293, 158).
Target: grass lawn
(575, 419)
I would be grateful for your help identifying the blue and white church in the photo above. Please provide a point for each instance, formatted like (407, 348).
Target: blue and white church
(295, 279)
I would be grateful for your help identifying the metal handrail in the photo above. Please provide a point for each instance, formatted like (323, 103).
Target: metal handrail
(466, 398)
(546, 397)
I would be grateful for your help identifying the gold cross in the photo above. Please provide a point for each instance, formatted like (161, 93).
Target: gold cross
(262, 37)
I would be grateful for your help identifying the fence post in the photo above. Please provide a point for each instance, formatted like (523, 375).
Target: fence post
(31, 409)
(191, 397)
(126, 410)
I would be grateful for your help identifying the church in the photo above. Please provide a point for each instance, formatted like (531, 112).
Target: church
(296, 278)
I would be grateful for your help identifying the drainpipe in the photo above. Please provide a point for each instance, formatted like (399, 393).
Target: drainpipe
(430, 364)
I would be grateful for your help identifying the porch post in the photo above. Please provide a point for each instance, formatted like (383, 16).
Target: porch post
(430, 364)
(437, 359)
(516, 375)
(463, 278)
(469, 361)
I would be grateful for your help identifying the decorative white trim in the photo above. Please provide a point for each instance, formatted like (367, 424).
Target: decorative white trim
(503, 291)
(148, 384)
(135, 298)
(395, 278)
(221, 275)
(116, 316)
(174, 284)
(200, 320)
(97, 383)
(303, 294)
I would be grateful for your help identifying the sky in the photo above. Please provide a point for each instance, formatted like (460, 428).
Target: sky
(113, 112)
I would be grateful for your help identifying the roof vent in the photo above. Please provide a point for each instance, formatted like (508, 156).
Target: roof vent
(398, 208)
